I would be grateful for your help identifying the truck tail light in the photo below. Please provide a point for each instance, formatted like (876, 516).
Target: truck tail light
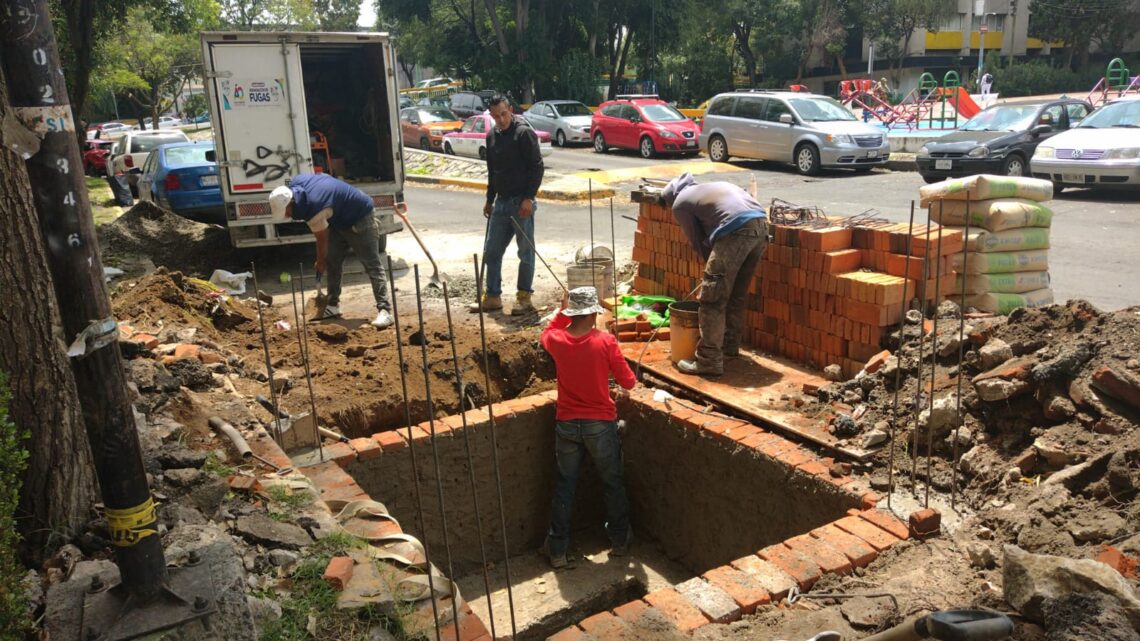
(172, 182)
(129, 160)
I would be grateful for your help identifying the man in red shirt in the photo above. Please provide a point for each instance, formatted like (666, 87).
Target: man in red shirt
(586, 419)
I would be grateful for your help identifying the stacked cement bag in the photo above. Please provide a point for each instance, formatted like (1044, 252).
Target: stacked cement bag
(1006, 264)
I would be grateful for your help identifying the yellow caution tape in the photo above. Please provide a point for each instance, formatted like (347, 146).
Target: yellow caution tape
(130, 525)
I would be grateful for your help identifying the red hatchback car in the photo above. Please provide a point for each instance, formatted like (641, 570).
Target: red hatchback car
(645, 123)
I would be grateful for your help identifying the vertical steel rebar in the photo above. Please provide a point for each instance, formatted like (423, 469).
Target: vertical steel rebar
(434, 448)
(898, 357)
(412, 444)
(961, 350)
(934, 353)
(308, 372)
(613, 250)
(460, 390)
(268, 360)
(479, 273)
(921, 331)
(593, 272)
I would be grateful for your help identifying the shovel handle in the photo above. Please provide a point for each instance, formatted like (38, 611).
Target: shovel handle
(401, 211)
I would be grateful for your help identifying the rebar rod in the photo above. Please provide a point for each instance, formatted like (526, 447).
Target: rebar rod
(470, 460)
(523, 235)
(434, 448)
(308, 372)
(613, 250)
(268, 360)
(412, 445)
(898, 357)
(479, 273)
(961, 351)
(934, 353)
(921, 331)
(593, 274)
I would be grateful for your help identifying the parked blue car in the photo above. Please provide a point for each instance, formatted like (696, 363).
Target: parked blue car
(178, 177)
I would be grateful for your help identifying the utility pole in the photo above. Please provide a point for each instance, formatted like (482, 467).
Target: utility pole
(39, 98)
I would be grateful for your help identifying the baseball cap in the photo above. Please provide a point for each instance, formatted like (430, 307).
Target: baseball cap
(279, 199)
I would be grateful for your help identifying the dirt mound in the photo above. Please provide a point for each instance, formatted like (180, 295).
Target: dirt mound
(171, 299)
(168, 240)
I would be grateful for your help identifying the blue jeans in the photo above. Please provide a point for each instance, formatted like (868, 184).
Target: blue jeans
(572, 441)
(500, 231)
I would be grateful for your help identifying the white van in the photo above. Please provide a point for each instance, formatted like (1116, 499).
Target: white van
(283, 104)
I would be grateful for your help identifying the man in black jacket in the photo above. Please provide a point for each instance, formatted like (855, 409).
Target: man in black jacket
(514, 174)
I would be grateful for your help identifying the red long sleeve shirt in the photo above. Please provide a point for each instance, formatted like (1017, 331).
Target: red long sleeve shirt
(584, 364)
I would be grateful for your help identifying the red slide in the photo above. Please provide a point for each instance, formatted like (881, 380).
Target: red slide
(964, 103)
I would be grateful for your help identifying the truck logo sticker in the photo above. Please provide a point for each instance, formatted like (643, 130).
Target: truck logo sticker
(254, 93)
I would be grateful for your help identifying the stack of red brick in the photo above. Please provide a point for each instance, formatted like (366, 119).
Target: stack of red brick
(636, 329)
(825, 293)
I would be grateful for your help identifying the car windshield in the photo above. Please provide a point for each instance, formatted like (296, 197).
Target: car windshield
(1120, 114)
(820, 109)
(437, 114)
(661, 113)
(566, 109)
(190, 155)
(141, 144)
(1004, 118)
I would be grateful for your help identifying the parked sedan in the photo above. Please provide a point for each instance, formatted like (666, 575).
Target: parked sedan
(164, 122)
(178, 177)
(425, 126)
(645, 123)
(566, 120)
(108, 129)
(95, 153)
(471, 139)
(999, 140)
(131, 151)
(1103, 151)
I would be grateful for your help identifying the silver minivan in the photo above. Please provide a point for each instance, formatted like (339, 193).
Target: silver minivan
(808, 130)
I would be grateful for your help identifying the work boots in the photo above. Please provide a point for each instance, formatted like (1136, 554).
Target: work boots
(489, 304)
(523, 305)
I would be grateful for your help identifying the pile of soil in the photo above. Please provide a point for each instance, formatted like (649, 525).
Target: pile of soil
(168, 240)
(355, 369)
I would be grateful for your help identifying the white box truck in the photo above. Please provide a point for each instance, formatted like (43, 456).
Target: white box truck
(283, 104)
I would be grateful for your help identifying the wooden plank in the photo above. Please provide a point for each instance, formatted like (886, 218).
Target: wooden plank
(751, 386)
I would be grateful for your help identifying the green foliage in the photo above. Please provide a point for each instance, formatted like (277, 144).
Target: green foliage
(337, 15)
(13, 461)
(1083, 23)
(576, 78)
(270, 15)
(284, 503)
(891, 23)
(1035, 78)
(195, 104)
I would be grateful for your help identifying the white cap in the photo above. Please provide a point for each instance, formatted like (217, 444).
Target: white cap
(279, 199)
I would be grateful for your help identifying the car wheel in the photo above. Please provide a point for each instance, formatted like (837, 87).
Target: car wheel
(807, 159)
(560, 138)
(1058, 188)
(930, 180)
(1014, 165)
(482, 153)
(447, 148)
(718, 149)
(646, 147)
(600, 143)
(425, 144)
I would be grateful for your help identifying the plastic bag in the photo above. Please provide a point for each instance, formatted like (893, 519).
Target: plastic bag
(993, 215)
(986, 187)
(121, 190)
(654, 308)
(233, 284)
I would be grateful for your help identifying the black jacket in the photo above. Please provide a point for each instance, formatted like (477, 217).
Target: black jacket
(514, 161)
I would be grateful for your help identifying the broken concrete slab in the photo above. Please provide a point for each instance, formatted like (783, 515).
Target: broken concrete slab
(1029, 579)
(259, 528)
(1000, 389)
(712, 601)
(994, 353)
(864, 613)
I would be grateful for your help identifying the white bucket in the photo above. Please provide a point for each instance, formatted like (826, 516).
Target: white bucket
(597, 273)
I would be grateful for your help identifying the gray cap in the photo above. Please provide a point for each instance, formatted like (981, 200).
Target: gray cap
(583, 301)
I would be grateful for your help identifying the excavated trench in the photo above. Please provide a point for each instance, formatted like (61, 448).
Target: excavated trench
(696, 503)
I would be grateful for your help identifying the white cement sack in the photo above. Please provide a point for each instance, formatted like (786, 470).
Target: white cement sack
(1013, 283)
(1006, 303)
(987, 187)
(1010, 240)
(993, 215)
(1001, 262)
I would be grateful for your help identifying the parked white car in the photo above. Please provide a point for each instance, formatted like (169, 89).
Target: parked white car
(1101, 152)
(565, 120)
(164, 122)
(131, 151)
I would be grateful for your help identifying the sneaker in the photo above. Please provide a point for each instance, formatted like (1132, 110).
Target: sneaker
(330, 312)
(489, 304)
(556, 562)
(692, 367)
(383, 320)
(523, 305)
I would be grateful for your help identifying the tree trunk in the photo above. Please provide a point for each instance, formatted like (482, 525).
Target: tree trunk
(522, 25)
(594, 29)
(619, 71)
(80, 29)
(59, 484)
(842, 66)
(742, 45)
(498, 26)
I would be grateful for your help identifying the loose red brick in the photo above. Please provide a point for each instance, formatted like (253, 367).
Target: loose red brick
(365, 448)
(744, 590)
(855, 549)
(876, 361)
(338, 572)
(676, 609)
(801, 568)
(925, 523)
(870, 500)
(829, 559)
(209, 358)
(1117, 385)
(241, 483)
(390, 441)
(887, 521)
(149, 341)
(186, 350)
(1126, 565)
(873, 535)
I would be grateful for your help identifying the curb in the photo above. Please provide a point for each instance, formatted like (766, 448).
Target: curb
(902, 162)
(564, 189)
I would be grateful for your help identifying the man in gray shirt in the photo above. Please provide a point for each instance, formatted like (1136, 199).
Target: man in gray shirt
(728, 228)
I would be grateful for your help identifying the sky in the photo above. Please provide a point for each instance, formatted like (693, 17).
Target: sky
(367, 14)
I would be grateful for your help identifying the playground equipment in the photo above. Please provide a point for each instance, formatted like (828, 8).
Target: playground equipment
(1117, 82)
(928, 106)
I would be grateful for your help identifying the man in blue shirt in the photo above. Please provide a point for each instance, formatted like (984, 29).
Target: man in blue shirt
(341, 218)
(728, 228)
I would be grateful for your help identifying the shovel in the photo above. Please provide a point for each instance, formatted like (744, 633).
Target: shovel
(315, 307)
(947, 625)
(437, 279)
